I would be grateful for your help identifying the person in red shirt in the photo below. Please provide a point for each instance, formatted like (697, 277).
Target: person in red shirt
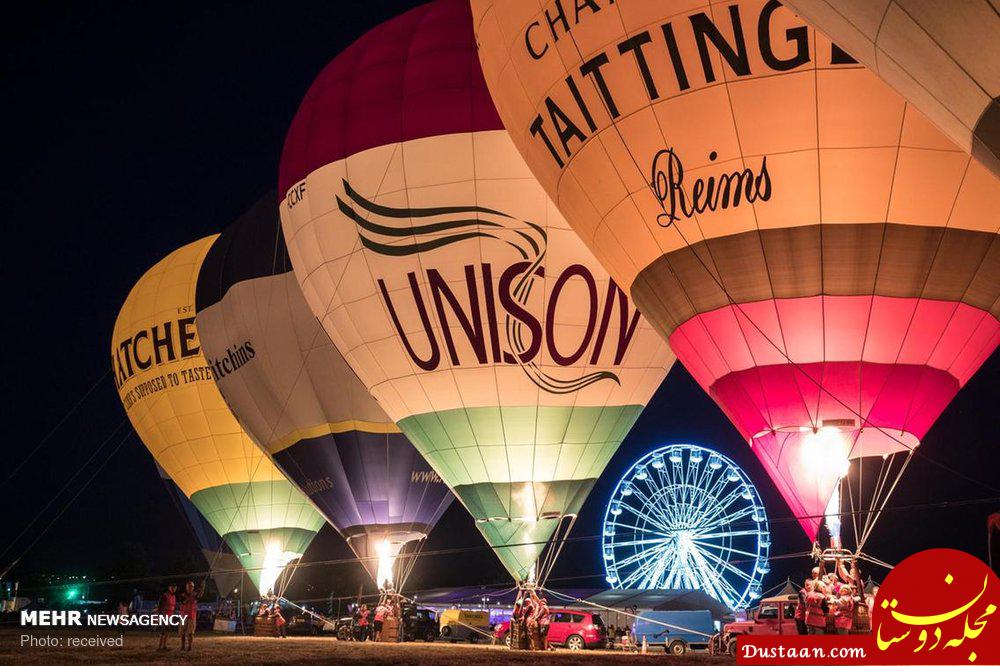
(279, 621)
(168, 602)
(543, 618)
(380, 612)
(363, 621)
(189, 611)
(800, 612)
(843, 611)
(815, 616)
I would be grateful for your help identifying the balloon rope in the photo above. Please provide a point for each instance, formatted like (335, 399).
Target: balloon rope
(79, 471)
(86, 484)
(56, 427)
(878, 513)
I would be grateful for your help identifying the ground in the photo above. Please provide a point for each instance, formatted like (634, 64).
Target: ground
(223, 649)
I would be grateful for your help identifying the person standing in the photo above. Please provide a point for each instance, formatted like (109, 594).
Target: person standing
(279, 621)
(166, 606)
(363, 621)
(543, 618)
(189, 611)
(380, 612)
(800, 612)
(525, 625)
(815, 617)
(843, 611)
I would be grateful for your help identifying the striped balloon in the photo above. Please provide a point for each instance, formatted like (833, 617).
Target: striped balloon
(167, 389)
(452, 285)
(297, 397)
(819, 256)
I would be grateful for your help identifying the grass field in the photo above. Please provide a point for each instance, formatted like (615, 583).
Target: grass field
(225, 649)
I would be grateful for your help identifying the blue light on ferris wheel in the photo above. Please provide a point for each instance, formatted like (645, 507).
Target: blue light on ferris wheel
(688, 526)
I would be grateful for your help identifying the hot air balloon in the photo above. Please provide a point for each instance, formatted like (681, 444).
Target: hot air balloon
(819, 256)
(943, 57)
(454, 288)
(296, 396)
(226, 569)
(167, 389)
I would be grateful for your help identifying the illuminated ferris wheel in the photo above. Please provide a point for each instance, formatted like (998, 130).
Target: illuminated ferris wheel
(687, 517)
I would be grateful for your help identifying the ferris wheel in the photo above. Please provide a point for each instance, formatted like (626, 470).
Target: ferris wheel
(687, 517)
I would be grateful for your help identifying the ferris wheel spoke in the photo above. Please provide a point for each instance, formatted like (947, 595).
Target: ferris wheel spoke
(699, 536)
(716, 489)
(721, 505)
(720, 578)
(646, 517)
(726, 565)
(642, 555)
(640, 569)
(643, 542)
(639, 529)
(726, 549)
(710, 584)
(636, 528)
(728, 518)
(652, 505)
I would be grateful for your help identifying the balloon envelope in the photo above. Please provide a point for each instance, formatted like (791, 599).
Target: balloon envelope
(166, 386)
(820, 257)
(297, 397)
(944, 57)
(452, 285)
(226, 569)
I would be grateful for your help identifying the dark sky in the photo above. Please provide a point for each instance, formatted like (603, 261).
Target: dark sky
(131, 131)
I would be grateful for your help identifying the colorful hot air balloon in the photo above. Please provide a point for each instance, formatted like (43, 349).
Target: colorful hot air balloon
(226, 569)
(821, 258)
(943, 57)
(166, 386)
(454, 288)
(296, 396)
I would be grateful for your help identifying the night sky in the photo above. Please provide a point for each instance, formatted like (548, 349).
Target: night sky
(132, 131)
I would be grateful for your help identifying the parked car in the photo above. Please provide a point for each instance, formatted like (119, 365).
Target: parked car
(573, 629)
(687, 630)
(461, 625)
(419, 624)
(774, 617)
(301, 622)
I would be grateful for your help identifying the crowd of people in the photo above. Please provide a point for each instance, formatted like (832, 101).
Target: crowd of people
(369, 622)
(827, 600)
(529, 621)
(270, 610)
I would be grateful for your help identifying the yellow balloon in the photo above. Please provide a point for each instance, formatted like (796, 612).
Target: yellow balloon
(170, 396)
